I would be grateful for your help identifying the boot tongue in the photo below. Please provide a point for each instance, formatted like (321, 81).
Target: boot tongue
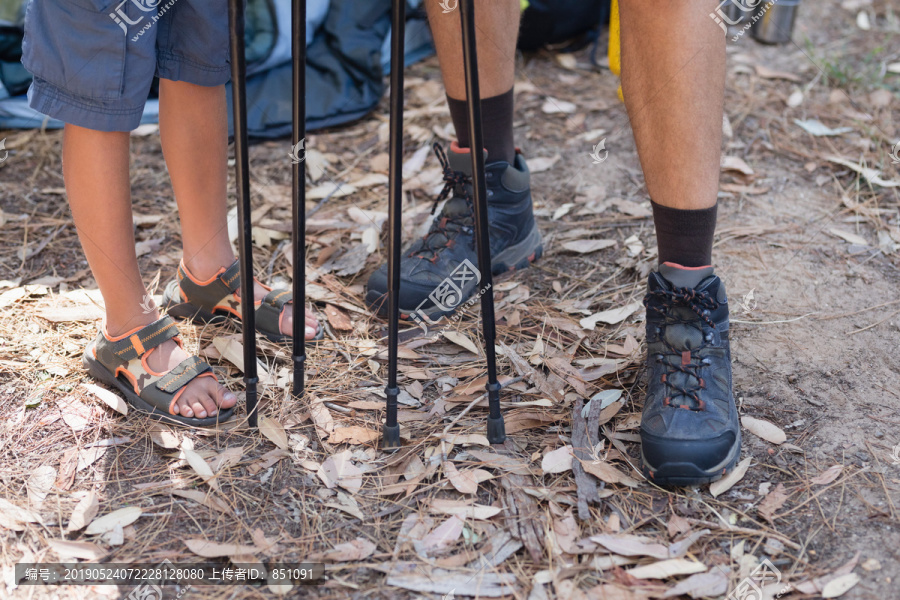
(684, 277)
(461, 159)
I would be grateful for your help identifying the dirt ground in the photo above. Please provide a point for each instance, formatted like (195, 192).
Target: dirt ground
(807, 244)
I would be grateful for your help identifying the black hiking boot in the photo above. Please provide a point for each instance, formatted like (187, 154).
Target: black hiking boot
(689, 429)
(440, 271)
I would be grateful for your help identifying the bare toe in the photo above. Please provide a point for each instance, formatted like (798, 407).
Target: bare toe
(198, 409)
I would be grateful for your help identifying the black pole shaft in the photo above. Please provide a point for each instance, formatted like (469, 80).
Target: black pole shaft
(395, 208)
(242, 173)
(298, 179)
(496, 428)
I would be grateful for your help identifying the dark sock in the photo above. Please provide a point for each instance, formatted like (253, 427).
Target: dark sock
(685, 237)
(496, 122)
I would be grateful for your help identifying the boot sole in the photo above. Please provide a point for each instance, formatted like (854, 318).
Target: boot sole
(689, 474)
(515, 258)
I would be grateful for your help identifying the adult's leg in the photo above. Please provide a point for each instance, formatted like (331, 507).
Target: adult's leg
(515, 239)
(673, 78)
(497, 23)
(193, 129)
(95, 168)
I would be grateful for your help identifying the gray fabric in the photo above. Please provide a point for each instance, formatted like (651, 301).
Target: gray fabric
(209, 295)
(685, 278)
(180, 376)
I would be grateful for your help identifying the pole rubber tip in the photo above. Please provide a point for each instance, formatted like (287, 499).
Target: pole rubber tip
(391, 438)
(496, 430)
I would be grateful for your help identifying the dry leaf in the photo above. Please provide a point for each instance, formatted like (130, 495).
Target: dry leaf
(466, 439)
(849, 237)
(631, 545)
(723, 485)
(337, 318)
(542, 163)
(838, 587)
(667, 568)
(734, 163)
(39, 484)
(463, 509)
(201, 467)
(354, 434)
(460, 339)
(464, 481)
(604, 471)
(273, 430)
(112, 400)
(588, 246)
(122, 517)
(871, 174)
(767, 73)
(84, 512)
(827, 476)
(338, 470)
(233, 351)
(444, 534)
(554, 106)
(358, 549)
(89, 456)
(208, 549)
(772, 502)
(713, 584)
(613, 316)
(204, 498)
(16, 514)
(82, 550)
(347, 504)
(557, 461)
(763, 429)
(163, 436)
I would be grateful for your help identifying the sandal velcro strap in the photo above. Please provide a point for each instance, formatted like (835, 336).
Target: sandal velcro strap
(116, 352)
(208, 295)
(278, 298)
(178, 377)
(268, 313)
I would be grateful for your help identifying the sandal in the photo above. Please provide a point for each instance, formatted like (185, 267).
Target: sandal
(215, 299)
(121, 362)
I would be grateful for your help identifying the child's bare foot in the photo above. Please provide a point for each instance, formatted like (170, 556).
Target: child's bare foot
(203, 396)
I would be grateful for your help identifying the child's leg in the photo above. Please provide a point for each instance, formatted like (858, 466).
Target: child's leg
(95, 167)
(193, 129)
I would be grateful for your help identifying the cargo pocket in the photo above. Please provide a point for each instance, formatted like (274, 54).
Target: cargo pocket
(76, 46)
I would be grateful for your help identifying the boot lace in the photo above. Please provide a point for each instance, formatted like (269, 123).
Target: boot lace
(688, 362)
(443, 231)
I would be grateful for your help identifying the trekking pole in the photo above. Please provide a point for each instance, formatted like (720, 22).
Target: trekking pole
(242, 172)
(496, 430)
(298, 182)
(391, 433)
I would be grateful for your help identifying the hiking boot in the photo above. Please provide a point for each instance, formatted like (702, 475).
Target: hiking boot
(440, 271)
(689, 429)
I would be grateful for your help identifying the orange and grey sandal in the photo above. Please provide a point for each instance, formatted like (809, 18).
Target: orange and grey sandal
(217, 299)
(121, 362)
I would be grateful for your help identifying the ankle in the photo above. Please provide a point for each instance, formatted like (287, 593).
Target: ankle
(119, 322)
(204, 266)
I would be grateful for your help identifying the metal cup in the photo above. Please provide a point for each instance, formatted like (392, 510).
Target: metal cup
(776, 25)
